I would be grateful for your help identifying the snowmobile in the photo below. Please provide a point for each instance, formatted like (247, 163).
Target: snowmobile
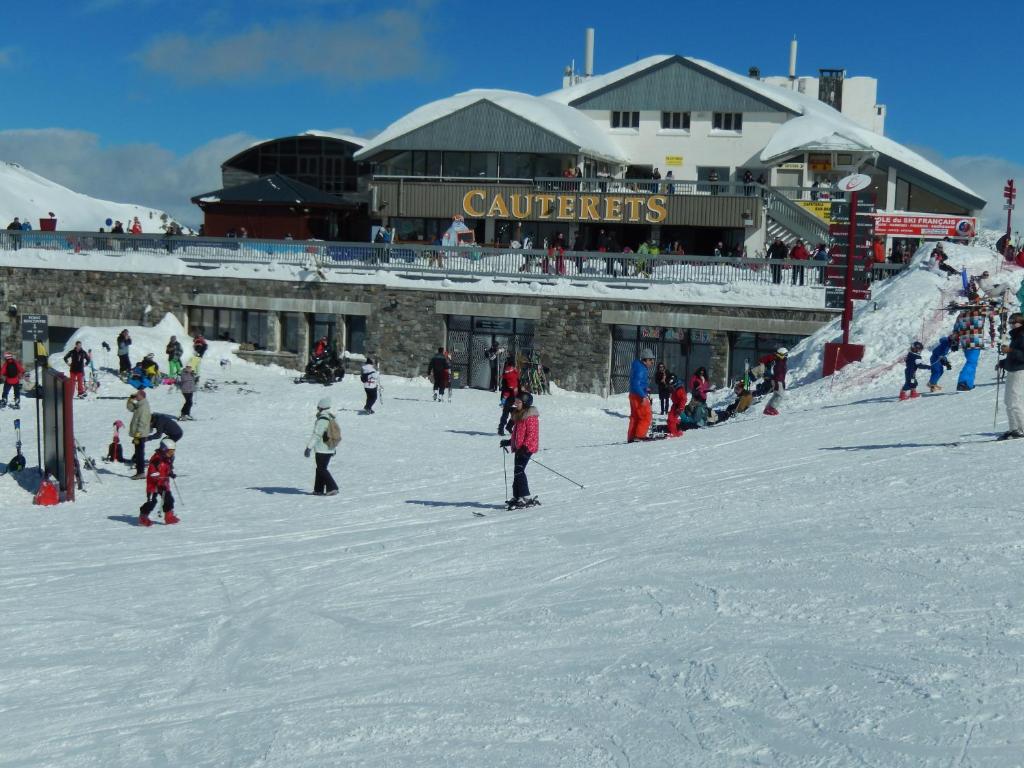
(324, 370)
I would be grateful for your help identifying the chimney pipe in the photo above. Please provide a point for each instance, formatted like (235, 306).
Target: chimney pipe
(792, 59)
(588, 57)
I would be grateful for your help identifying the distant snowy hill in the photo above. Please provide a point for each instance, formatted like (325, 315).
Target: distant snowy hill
(28, 195)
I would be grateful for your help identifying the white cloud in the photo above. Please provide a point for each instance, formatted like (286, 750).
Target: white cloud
(372, 48)
(146, 174)
(987, 176)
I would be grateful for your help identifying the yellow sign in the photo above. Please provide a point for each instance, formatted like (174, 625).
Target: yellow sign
(673, 159)
(479, 203)
(791, 167)
(823, 166)
(820, 208)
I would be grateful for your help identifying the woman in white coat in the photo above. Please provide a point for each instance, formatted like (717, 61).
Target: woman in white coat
(319, 443)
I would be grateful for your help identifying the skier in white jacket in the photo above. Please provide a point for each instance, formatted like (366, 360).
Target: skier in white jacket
(369, 377)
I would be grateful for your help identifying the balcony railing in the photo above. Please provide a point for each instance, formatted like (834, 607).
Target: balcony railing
(434, 261)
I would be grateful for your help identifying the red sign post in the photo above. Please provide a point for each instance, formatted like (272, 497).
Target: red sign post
(1010, 193)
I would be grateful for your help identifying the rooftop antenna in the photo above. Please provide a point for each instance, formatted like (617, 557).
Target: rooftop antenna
(792, 63)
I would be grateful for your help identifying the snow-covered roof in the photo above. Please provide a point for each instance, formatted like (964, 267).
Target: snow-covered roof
(597, 82)
(562, 120)
(816, 125)
(820, 122)
(340, 136)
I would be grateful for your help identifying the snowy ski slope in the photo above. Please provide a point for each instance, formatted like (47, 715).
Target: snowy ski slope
(837, 586)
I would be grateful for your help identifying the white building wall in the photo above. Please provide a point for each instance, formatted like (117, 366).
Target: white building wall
(860, 98)
(700, 146)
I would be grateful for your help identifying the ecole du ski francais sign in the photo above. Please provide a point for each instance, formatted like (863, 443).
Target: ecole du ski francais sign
(563, 206)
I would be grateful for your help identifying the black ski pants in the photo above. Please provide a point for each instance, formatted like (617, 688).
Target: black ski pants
(186, 407)
(139, 458)
(520, 485)
(371, 398)
(153, 498)
(323, 481)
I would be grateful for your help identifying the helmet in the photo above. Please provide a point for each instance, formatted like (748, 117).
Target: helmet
(324, 403)
(118, 424)
(917, 346)
(167, 444)
(782, 351)
(646, 354)
(150, 356)
(527, 399)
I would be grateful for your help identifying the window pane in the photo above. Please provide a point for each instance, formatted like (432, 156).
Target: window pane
(666, 119)
(356, 326)
(616, 116)
(456, 164)
(636, 120)
(716, 121)
(290, 331)
(738, 122)
(686, 121)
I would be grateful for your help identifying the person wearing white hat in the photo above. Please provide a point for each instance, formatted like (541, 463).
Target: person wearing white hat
(324, 442)
(639, 396)
(778, 382)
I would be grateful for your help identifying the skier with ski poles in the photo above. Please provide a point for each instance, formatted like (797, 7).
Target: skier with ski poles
(158, 484)
(12, 373)
(1013, 365)
(525, 442)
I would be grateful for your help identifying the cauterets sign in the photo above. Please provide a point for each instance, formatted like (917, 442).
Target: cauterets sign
(565, 206)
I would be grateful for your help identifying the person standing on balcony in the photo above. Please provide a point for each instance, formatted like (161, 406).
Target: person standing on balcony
(777, 251)
(713, 179)
(748, 183)
(799, 253)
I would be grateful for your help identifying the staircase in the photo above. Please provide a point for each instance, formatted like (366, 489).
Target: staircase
(789, 221)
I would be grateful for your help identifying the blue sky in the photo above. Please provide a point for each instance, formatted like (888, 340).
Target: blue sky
(141, 100)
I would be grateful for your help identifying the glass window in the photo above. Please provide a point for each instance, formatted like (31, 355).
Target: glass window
(456, 164)
(257, 329)
(727, 121)
(516, 165)
(621, 119)
(290, 331)
(355, 326)
(323, 325)
(675, 121)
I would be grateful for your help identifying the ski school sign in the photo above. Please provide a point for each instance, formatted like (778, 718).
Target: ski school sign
(924, 225)
(562, 206)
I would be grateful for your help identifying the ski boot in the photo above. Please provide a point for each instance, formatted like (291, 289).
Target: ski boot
(770, 411)
(934, 388)
(144, 520)
(170, 518)
(914, 394)
(515, 503)
(904, 394)
(3, 404)
(17, 405)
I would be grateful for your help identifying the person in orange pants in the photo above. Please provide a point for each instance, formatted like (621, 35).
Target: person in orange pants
(678, 400)
(639, 397)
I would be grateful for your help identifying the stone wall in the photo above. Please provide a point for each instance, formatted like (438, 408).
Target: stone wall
(403, 325)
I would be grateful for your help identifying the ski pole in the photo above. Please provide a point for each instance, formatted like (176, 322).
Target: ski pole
(999, 380)
(504, 466)
(549, 469)
(177, 491)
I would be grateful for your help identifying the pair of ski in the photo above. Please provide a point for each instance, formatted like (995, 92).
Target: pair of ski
(511, 505)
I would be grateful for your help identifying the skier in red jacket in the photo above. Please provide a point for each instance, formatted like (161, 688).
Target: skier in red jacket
(678, 404)
(509, 389)
(525, 442)
(11, 373)
(158, 484)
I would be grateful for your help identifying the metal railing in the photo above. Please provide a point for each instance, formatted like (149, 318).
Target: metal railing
(609, 185)
(794, 217)
(434, 261)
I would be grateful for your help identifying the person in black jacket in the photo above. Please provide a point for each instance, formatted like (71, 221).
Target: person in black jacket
(914, 365)
(164, 425)
(1013, 364)
(661, 378)
(77, 359)
(777, 250)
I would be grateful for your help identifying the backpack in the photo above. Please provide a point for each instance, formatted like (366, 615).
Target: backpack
(332, 435)
(11, 369)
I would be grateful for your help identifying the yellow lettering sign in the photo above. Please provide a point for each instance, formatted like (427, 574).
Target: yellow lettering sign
(498, 207)
(566, 207)
(633, 205)
(545, 201)
(656, 211)
(521, 206)
(613, 208)
(673, 159)
(588, 208)
(467, 203)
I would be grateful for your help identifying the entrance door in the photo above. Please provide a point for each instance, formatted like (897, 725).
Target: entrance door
(469, 337)
(682, 351)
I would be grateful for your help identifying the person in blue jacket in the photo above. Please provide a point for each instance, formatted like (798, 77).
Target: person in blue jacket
(940, 362)
(639, 397)
(914, 365)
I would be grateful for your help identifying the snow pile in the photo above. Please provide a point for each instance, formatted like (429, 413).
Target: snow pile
(28, 195)
(906, 308)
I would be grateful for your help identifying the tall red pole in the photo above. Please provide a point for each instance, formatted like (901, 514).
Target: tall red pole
(848, 290)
